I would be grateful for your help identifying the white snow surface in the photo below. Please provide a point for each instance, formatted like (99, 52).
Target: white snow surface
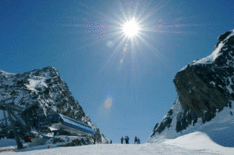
(36, 83)
(193, 143)
(219, 129)
(211, 58)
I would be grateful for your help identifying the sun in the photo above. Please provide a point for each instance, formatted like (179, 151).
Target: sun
(131, 28)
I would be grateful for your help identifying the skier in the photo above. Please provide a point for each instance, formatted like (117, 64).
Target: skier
(138, 141)
(94, 140)
(127, 140)
(122, 140)
(135, 140)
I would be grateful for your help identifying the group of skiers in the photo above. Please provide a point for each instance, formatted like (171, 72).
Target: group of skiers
(136, 140)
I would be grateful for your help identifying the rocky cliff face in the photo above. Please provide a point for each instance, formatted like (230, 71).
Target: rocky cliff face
(205, 90)
(41, 92)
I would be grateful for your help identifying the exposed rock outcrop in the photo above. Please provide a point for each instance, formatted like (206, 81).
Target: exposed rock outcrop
(205, 87)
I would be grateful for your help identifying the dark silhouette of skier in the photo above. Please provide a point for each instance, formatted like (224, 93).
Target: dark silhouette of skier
(122, 140)
(94, 140)
(127, 140)
(138, 141)
(135, 140)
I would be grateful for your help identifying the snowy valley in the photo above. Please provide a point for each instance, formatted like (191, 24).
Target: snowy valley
(201, 120)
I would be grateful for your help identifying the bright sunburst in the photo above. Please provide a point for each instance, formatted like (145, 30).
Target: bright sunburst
(131, 28)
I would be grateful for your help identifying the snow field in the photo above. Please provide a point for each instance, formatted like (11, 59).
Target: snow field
(195, 143)
(200, 141)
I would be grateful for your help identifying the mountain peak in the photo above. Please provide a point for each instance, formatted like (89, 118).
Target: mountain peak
(224, 36)
(41, 92)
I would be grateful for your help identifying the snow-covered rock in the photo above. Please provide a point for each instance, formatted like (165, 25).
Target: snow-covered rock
(205, 97)
(41, 92)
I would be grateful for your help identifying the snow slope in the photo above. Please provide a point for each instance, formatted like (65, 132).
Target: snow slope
(193, 143)
(219, 129)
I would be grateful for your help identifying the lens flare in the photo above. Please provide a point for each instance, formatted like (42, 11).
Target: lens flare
(110, 44)
(121, 61)
(108, 103)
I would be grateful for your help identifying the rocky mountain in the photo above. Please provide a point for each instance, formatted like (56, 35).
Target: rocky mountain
(41, 92)
(205, 97)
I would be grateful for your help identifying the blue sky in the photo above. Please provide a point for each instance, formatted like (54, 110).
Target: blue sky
(84, 42)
